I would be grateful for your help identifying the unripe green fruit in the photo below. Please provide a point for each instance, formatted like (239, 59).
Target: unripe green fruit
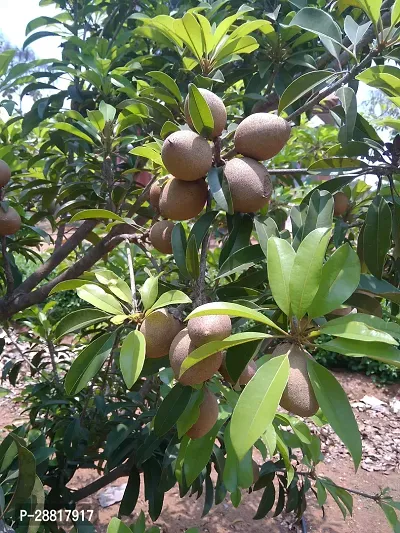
(10, 221)
(341, 204)
(160, 236)
(298, 396)
(249, 183)
(181, 347)
(217, 109)
(261, 136)
(207, 418)
(209, 328)
(182, 200)
(5, 173)
(186, 155)
(159, 329)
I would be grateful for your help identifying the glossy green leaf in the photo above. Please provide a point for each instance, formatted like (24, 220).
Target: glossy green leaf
(204, 351)
(219, 188)
(179, 245)
(98, 297)
(373, 322)
(37, 505)
(384, 77)
(88, 363)
(168, 82)
(372, 8)
(78, 320)
(395, 13)
(354, 348)
(336, 407)
(131, 359)
(306, 272)
(319, 215)
(26, 476)
(349, 103)
(149, 292)
(357, 331)
(69, 128)
(97, 120)
(376, 235)
(202, 226)
(379, 287)
(200, 112)
(266, 503)
(5, 59)
(340, 278)
(242, 259)
(168, 128)
(69, 285)
(131, 493)
(354, 31)
(107, 110)
(192, 258)
(301, 86)
(96, 213)
(266, 228)
(258, 403)
(191, 412)
(117, 526)
(335, 165)
(148, 153)
(171, 298)
(189, 30)
(172, 407)
(280, 262)
(236, 473)
(115, 284)
(231, 309)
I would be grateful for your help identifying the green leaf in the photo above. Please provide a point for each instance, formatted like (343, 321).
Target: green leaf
(322, 24)
(69, 285)
(266, 228)
(168, 82)
(191, 412)
(335, 165)
(258, 403)
(340, 278)
(99, 298)
(376, 235)
(241, 260)
(131, 493)
(280, 262)
(395, 13)
(319, 215)
(179, 245)
(5, 59)
(357, 331)
(96, 213)
(172, 407)
(88, 363)
(307, 271)
(192, 258)
(336, 407)
(231, 309)
(375, 350)
(108, 111)
(301, 86)
(168, 128)
(202, 226)
(267, 502)
(219, 188)
(236, 474)
(349, 103)
(374, 322)
(210, 348)
(384, 77)
(170, 298)
(131, 359)
(117, 526)
(149, 292)
(148, 153)
(354, 31)
(96, 118)
(379, 287)
(37, 505)
(26, 476)
(189, 30)
(372, 8)
(115, 284)
(64, 126)
(200, 112)
(78, 320)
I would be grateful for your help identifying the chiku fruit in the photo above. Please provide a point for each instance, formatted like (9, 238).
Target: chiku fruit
(341, 204)
(249, 183)
(244, 377)
(181, 347)
(217, 109)
(207, 417)
(181, 200)
(154, 196)
(261, 136)
(159, 328)
(160, 236)
(298, 396)
(209, 328)
(10, 221)
(186, 155)
(5, 173)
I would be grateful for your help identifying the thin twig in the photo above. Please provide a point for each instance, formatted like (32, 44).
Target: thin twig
(131, 275)
(142, 197)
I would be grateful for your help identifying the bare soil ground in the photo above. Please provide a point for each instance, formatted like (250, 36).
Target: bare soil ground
(380, 429)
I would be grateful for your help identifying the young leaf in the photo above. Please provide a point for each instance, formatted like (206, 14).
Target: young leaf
(88, 363)
(172, 407)
(336, 407)
(149, 292)
(280, 262)
(301, 86)
(99, 298)
(170, 298)
(354, 31)
(257, 405)
(200, 112)
(131, 359)
(96, 213)
(115, 284)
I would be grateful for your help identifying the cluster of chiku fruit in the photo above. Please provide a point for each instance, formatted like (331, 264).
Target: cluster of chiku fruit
(10, 221)
(188, 157)
(166, 334)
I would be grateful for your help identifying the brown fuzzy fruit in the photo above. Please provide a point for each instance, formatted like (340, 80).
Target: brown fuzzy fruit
(5, 173)
(298, 396)
(10, 221)
(181, 347)
(207, 417)
(160, 236)
(256, 471)
(261, 136)
(244, 377)
(155, 193)
(341, 204)
(249, 183)
(181, 200)
(186, 155)
(159, 328)
(209, 328)
(217, 109)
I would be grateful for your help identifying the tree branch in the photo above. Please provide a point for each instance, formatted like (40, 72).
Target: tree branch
(142, 197)
(85, 492)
